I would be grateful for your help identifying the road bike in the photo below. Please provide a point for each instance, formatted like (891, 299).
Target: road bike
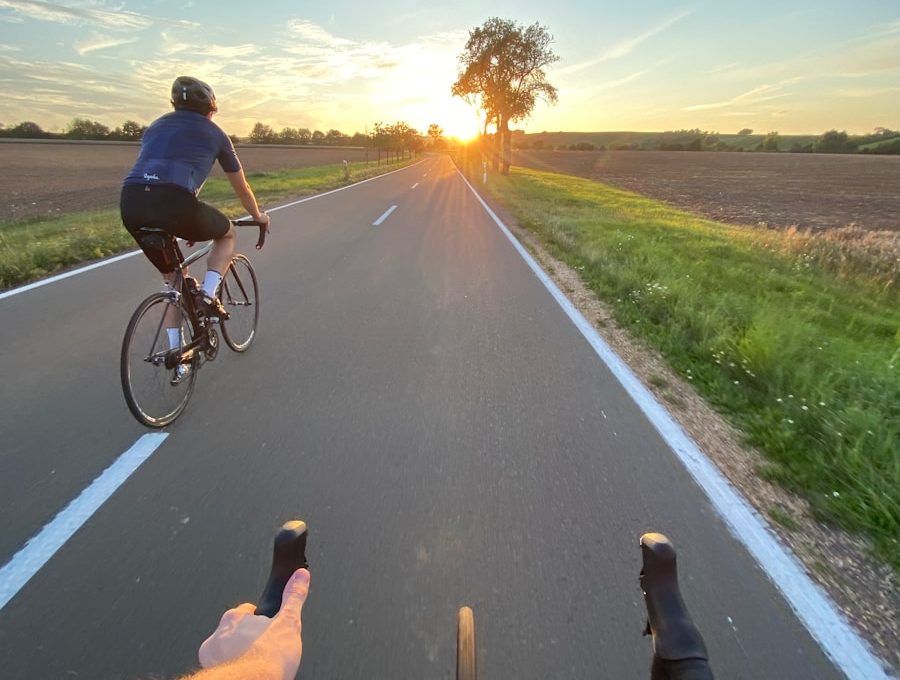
(679, 652)
(155, 388)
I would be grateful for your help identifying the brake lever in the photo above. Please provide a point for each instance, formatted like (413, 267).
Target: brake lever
(263, 230)
(288, 555)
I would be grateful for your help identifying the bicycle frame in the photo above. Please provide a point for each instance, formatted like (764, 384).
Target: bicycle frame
(181, 296)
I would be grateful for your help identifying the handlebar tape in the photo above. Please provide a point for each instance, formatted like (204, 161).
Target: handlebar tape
(679, 652)
(288, 555)
(263, 230)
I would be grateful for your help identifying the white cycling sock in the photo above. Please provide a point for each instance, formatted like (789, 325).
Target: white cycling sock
(211, 282)
(174, 337)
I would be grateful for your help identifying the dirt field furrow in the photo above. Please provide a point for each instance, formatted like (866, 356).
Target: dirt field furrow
(45, 179)
(814, 191)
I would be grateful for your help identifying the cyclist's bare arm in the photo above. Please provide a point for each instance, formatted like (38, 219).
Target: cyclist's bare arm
(245, 194)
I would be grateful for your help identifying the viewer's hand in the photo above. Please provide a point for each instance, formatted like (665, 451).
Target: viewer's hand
(274, 642)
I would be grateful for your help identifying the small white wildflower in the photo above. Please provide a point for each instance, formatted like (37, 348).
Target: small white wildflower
(790, 421)
(821, 403)
(805, 407)
(779, 400)
(835, 494)
(735, 382)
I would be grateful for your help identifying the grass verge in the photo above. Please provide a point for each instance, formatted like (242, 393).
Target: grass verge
(33, 248)
(799, 349)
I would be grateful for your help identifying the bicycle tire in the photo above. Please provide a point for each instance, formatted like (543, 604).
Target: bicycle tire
(150, 396)
(465, 645)
(239, 295)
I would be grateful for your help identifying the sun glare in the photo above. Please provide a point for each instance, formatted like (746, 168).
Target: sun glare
(459, 120)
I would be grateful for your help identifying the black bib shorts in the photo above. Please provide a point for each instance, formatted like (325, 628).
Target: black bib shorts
(176, 210)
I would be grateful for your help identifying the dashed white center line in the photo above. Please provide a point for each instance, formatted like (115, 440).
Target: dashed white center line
(415, 185)
(38, 551)
(385, 216)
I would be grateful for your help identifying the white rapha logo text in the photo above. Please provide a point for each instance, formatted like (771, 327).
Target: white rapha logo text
(148, 177)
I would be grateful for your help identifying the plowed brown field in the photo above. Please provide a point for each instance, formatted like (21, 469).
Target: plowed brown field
(47, 178)
(816, 191)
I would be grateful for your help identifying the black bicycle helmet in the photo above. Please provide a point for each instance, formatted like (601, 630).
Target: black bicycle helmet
(194, 95)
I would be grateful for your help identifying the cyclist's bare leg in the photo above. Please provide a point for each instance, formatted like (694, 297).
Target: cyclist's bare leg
(222, 250)
(173, 314)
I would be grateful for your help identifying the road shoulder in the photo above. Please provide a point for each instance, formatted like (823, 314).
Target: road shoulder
(864, 589)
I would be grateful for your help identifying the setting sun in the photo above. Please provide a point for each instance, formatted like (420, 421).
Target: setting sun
(459, 120)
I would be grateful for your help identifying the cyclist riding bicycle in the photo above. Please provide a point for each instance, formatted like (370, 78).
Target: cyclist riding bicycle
(177, 154)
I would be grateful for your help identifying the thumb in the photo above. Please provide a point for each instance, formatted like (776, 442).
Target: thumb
(293, 598)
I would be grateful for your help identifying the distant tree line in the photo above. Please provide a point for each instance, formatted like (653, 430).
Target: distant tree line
(79, 128)
(392, 139)
(881, 141)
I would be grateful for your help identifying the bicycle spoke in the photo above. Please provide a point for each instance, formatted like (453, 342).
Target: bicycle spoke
(154, 394)
(240, 328)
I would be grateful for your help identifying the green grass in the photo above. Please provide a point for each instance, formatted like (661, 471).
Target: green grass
(876, 144)
(33, 248)
(800, 354)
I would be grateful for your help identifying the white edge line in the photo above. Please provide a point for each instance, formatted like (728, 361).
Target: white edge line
(838, 640)
(38, 550)
(116, 258)
(387, 214)
(65, 275)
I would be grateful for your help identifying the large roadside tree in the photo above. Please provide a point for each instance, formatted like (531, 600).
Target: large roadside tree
(501, 70)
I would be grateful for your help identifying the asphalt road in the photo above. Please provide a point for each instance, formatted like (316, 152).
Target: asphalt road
(418, 397)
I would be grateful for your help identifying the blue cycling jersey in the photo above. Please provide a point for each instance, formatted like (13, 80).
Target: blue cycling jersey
(179, 149)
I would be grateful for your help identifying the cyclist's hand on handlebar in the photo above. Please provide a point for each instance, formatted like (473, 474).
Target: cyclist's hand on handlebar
(263, 218)
(262, 642)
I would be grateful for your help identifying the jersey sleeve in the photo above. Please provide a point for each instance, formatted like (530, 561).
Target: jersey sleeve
(228, 157)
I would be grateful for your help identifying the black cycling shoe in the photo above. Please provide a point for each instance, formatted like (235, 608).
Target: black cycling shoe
(212, 307)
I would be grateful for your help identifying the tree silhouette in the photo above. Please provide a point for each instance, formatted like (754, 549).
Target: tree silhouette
(502, 71)
(436, 135)
(82, 128)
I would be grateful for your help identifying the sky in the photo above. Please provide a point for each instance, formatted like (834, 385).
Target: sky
(795, 66)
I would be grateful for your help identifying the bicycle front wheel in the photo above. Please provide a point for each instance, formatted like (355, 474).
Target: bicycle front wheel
(465, 645)
(156, 395)
(240, 297)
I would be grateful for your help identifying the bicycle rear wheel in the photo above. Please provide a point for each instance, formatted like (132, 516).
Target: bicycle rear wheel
(146, 382)
(240, 297)
(465, 645)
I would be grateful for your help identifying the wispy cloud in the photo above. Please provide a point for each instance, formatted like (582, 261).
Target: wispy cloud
(101, 42)
(757, 95)
(316, 35)
(864, 92)
(113, 19)
(722, 68)
(63, 14)
(624, 48)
